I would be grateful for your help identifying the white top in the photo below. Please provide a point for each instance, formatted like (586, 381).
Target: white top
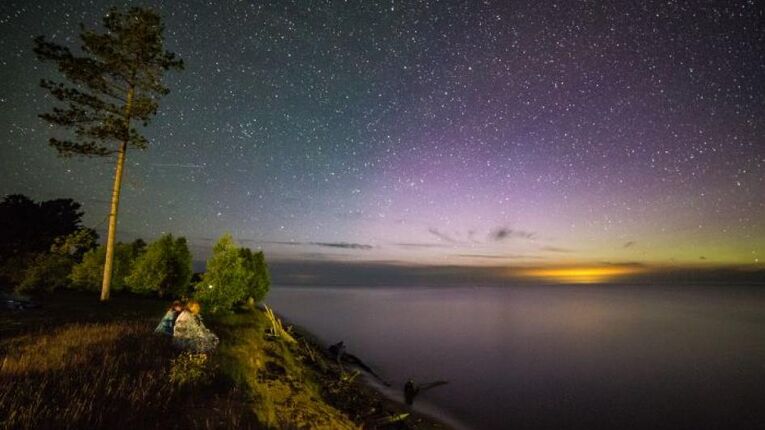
(190, 333)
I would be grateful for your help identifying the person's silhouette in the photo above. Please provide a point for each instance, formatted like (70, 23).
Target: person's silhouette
(411, 390)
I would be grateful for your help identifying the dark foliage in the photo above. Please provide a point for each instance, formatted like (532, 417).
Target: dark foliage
(116, 82)
(234, 275)
(28, 228)
(47, 272)
(87, 274)
(51, 270)
(164, 269)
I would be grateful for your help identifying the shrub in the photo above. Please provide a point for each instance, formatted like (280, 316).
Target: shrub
(233, 276)
(50, 271)
(76, 244)
(89, 273)
(28, 229)
(165, 268)
(47, 272)
(190, 369)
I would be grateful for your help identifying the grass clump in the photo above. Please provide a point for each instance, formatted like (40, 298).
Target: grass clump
(190, 369)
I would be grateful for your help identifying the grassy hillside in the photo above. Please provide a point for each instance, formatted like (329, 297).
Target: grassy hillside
(76, 363)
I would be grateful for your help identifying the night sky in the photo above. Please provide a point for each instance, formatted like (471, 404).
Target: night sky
(496, 133)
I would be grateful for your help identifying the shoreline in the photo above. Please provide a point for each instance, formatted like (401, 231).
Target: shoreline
(374, 391)
(253, 379)
(424, 407)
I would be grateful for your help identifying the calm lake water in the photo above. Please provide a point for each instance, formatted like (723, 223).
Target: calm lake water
(619, 357)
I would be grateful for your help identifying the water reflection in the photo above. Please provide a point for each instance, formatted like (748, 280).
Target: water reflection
(552, 357)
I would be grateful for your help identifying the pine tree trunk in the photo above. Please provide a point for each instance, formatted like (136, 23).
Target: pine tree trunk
(111, 235)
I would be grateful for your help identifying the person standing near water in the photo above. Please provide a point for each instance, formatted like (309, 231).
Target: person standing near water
(411, 390)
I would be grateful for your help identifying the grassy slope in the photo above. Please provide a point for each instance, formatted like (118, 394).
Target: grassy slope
(286, 393)
(75, 363)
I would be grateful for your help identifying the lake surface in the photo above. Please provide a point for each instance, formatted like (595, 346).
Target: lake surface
(621, 357)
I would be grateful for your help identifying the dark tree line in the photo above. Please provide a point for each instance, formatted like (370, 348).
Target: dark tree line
(28, 228)
(44, 247)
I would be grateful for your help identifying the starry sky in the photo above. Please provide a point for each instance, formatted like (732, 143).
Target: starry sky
(471, 133)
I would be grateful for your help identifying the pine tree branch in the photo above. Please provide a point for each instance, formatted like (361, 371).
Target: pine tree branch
(117, 80)
(67, 148)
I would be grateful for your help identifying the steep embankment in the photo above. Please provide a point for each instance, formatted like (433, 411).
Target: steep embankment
(77, 363)
(285, 392)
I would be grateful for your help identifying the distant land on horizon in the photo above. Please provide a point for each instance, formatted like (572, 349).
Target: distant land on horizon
(395, 274)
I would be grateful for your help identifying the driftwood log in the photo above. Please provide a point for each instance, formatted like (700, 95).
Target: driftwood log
(411, 390)
(337, 352)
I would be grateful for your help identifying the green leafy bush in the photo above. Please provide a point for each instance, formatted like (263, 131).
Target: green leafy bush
(89, 273)
(190, 369)
(76, 244)
(234, 275)
(47, 272)
(165, 268)
(50, 271)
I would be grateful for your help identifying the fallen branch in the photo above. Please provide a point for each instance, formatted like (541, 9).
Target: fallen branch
(393, 419)
(277, 330)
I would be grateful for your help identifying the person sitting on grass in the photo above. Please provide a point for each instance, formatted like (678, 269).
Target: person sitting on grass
(190, 333)
(165, 326)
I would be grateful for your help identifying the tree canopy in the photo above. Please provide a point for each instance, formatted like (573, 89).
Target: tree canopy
(165, 268)
(116, 81)
(28, 226)
(87, 274)
(233, 276)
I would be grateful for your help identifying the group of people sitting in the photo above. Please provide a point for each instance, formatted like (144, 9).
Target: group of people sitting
(183, 322)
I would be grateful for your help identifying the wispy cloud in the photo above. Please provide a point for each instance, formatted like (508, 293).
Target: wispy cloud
(503, 233)
(422, 245)
(500, 257)
(555, 249)
(279, 242)
(441, 235)
(343, 245)
(340, 245)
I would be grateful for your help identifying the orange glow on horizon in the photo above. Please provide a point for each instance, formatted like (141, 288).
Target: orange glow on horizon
(582, 275)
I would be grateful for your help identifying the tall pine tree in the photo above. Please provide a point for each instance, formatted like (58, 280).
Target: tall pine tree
(114, 84)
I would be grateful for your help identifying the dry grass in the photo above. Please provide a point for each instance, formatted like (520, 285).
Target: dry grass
(105, 374)
(277, 329)
(75, 363)
(80, 376)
